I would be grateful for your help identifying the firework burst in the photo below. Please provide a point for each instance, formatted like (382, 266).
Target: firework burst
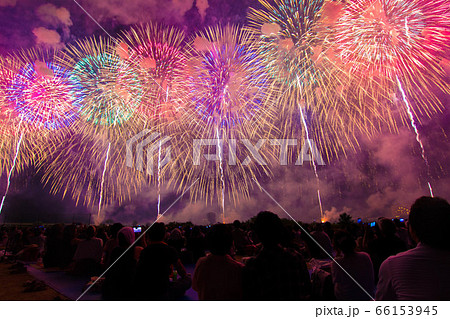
(41, 94)
(377, 41)
(8, 116)
(294, 47)
(107, 88)
(108, 91)
(158, 54)
(21, 119)
(229, 97)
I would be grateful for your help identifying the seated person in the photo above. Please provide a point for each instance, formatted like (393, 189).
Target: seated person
(324, 241)
(196, 243)
(155, 266)
(53, 248)
(111, 243)
(88, 255)
(217, 276)
(387, 244)
(118, 284)
(356, 264)
(242, 243)
(276, 273)
(421, 273)
(176, 239)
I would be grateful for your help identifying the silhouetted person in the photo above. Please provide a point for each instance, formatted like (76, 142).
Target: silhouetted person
(176, 239)
(112, 242)
(118, 284)
(53, 246)
(196, 243)
(217, 276)
(387, 244)
(323, 240)
(421, 273)
(88, 255)
(356, 264)
(276, 273)
(69, 245)
(243, 245)
(155, 266)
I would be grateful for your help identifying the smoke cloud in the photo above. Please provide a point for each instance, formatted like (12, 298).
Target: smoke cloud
(8, 3)
(48, 38)
(202, 5)
(138, 11)
(53, 15)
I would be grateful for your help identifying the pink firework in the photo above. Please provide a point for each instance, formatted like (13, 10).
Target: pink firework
(41, 96)
(392, 37)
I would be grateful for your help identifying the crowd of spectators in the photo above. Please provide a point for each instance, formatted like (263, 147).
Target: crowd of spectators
(266, 258)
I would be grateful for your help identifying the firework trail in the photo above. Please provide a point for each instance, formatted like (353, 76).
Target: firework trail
(301, 107)
(413, 124)
(159, 179)
(11, 171)
(222, 179)
(105, 164)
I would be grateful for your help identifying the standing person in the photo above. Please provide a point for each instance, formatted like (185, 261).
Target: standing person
(217, 276)
(276, 273)
(156, 264)
(421, 273)
(356, 264)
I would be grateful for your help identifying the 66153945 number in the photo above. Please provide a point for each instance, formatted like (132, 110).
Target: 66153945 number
(406, 310)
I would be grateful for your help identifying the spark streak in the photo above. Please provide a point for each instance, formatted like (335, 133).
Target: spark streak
(103, 180)
(221, 175)
(312, 158)
(159, 179)
(414, 126)
(11, 171)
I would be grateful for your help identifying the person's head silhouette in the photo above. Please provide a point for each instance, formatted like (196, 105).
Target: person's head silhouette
(157, 232)
(270, 229)
(90, 232)
(220, 239)
(429, 222)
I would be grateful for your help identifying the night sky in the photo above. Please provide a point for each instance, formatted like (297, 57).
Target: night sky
(386, 173)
